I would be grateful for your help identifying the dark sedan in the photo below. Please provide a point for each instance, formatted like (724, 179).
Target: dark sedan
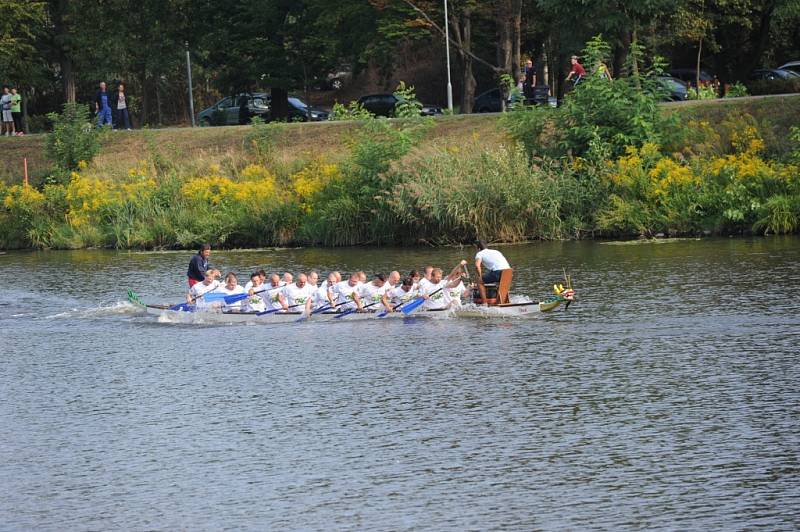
(674, 90)
(386, 104)
(772, 74)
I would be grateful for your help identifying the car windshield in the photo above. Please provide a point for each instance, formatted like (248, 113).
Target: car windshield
(786, 74)
(297, 103)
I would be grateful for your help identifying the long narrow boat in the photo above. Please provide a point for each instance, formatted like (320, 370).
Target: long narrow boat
(470, 310)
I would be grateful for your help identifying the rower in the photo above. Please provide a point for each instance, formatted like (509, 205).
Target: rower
(399, 295)
(313, 279)
(231, 288)
(497, 270)
(346, 293)
(373, 291)
(288, 278)
(197, 290)
(299, 293)
(198, 265)
(270, 296)
(254, 303)
(324, 296)
(433, 290)
(453, 296)
(393, 281)
(428, 272)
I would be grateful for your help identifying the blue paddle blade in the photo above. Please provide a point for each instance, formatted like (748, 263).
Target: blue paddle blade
(382, 314)
(411, 307)
(183, 307)
(214, 296)
(235, 298)
(321, 309)
(345, 313)
(270, 311)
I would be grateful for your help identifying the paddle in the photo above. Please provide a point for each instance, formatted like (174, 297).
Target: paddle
(385, 312)
(347, 312)
(211, 296)
(414, 305)
(277, 309)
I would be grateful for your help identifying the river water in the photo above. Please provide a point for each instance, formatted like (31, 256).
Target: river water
(667, 397)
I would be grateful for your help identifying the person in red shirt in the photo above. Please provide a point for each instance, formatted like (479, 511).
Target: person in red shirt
(577, 70)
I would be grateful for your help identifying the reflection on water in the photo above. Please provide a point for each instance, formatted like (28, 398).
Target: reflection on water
(667, 397)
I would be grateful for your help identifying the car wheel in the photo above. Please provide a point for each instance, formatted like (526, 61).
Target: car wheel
(336, 84)
(205, 122)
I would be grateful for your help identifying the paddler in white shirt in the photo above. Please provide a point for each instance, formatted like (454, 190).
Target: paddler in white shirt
(399, 295)
(231, 288)
(393, 281)
(288, 278)
(297, 294)
(270, 296)
(433, 290)
(346, 293)
(254, 303)
(209, 284)
(372, 293)
(324, 296)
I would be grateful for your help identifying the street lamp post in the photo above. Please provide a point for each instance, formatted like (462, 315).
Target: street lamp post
(189, 76)
(447, 48)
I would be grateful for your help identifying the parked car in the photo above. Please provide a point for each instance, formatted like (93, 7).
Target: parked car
(794, 66)
(689, 76)
(490, 101)
(773, 73)
(226, 111)
(385, 104)
(675, 90)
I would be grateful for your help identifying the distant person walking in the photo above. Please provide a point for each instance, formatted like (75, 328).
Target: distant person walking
(8, 118)
(16, 110)
(123, 118)
(577, 71)
(102, 106)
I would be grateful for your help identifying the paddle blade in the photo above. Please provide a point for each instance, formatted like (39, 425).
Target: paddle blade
(214, 296)
(411, 307)
(322, 309)
(345, 313)
(270, 311)
(229, 300)
(182, 307)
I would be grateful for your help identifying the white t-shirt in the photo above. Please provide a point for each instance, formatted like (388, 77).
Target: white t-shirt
(452, 296)
(344, 295)
(270, 296)
(436, 301)
(321, 296)
(369, 293)
(254, 303)
(236, 290)
(399, 296)
(491, 260)
(249, 285)
(295, 295)
(199, 289)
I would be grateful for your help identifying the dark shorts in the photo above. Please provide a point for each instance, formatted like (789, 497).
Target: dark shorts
(492, 276)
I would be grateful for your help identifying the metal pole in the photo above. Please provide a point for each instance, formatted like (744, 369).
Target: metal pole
(447, 48)
(189, 76)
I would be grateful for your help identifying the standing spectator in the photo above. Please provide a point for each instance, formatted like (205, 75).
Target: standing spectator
(121, 108)
(8, 118)
(16, 110)
(577, 71)
(101, 105)
(530, 80)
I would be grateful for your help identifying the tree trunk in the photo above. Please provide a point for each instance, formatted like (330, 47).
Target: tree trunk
(145, 110)
(697, 71)
(462, 35)
(61, 31)
(280, 104)
(516, 59)
(504, 22)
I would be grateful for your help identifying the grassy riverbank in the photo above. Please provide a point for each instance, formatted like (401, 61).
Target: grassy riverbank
(725, 168)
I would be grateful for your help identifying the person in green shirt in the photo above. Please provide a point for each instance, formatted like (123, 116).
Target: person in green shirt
(16, 111)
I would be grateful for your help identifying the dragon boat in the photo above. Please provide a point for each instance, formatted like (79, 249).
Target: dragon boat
(488, 301)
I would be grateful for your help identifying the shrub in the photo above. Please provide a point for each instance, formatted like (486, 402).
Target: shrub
(74, 140)
(407, 106)
(353, 111)
(736, 90)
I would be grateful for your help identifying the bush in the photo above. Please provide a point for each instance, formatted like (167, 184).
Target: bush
(353, 111)
(407, 106)
(74, 140)
(737, 90)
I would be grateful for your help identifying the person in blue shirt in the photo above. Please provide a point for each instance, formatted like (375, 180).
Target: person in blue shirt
(102, 106)
(198, 265)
